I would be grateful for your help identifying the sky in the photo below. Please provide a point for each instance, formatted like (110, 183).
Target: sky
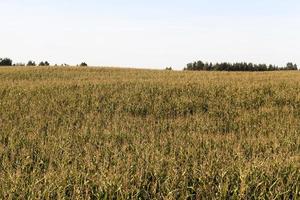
(150, 33)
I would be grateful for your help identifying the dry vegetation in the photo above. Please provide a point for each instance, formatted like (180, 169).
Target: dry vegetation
(68, 133)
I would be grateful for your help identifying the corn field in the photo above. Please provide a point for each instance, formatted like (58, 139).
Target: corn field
(88, 133)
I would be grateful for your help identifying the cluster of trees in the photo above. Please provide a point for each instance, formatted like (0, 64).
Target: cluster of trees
(46, 63)
(243, 66)
(5, 62)
(32, 63)
(83, 64)
(9, 62)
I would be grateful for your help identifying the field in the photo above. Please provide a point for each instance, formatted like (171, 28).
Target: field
(87, 133)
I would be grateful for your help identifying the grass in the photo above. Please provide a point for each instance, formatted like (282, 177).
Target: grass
(87, 133)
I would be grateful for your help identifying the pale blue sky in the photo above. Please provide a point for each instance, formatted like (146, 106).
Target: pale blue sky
(152, 33)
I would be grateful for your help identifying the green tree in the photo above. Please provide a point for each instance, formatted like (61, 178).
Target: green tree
(5, 62)
(291, 66)
(31, 63)
(83, 64)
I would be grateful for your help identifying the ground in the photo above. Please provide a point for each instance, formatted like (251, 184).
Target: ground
(103, 133)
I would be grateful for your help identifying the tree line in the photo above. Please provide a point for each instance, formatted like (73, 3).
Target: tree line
(242, 66)
(9, 62)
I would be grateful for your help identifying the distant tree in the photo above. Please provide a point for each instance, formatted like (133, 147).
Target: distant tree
(189, 66)
(5, 62)
(200, 65)
(291, 66)
(83, 64)
(47, 63)
(169, 68)
(194, 66)
(42, 64)
(31, 63)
